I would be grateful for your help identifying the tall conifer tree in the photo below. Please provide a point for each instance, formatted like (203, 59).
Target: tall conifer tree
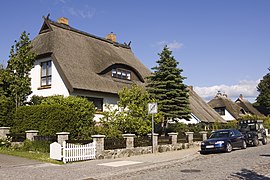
(166, 86)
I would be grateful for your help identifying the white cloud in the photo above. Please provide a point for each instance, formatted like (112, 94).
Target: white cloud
(85, 12)
(62, 1)
(174, 45)
(247, 88)
(171, 45)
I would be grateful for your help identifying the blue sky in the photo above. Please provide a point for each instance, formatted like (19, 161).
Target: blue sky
(221, 45)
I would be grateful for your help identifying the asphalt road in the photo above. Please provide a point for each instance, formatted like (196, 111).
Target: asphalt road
(251, 163)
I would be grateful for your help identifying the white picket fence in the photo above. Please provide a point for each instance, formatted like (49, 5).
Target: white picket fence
(72, 152)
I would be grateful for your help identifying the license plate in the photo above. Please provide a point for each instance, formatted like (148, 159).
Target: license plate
(210, 146)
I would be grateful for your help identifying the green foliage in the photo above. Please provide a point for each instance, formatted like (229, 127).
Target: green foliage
(6, 111)
(166, 86)
(83, 109)
(17, 82)
(4, 143)
(37, 146)
(47, 119)
(131, 116)
(36, 100)
(263, 88)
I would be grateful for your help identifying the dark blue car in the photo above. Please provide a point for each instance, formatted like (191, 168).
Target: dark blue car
(224, 140)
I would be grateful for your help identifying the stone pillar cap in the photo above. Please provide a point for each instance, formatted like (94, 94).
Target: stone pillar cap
(98, 136)
(62, 133)
(150, 134)
(203, 132)
(32, 131)
(189, 132)
(4, 127)
(173, 133)
(128, 135)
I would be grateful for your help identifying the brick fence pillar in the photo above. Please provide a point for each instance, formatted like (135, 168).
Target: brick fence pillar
(99, 142)
(61, 137)
(190, 137)
(30, 134)
(3, 132)
(204, 135)
(173, 137)
(129, 140)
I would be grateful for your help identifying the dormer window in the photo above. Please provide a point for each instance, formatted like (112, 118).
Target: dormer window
(121, 74)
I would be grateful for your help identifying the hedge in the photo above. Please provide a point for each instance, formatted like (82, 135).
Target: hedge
(48, 120)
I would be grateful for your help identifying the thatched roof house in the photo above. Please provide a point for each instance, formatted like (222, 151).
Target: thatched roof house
(201, 110)
(226, 107)
(84, 61)
(73, 62)
(247, 106)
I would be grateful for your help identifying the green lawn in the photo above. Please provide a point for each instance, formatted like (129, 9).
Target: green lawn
(39, 156)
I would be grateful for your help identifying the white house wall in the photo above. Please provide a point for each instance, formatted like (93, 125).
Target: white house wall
(227, 116)
(109, 101)
(57, 86)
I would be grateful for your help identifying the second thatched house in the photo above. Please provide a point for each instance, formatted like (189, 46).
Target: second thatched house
(227, 109)
(247, 106)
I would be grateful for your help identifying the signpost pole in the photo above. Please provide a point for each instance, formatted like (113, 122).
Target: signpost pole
(152, 109)
(152, 133)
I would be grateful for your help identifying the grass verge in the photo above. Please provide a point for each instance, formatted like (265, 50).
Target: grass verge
(39, 156)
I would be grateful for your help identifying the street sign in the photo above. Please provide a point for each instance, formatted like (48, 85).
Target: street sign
(152, 108)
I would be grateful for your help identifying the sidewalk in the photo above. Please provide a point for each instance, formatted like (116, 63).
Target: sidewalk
(94, 168)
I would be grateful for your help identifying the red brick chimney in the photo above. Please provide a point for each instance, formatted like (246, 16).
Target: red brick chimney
(63, 20)
(111, 37)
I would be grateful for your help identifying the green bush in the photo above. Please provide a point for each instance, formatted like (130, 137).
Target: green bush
(37, 146)
(47, 119)
(6, 111)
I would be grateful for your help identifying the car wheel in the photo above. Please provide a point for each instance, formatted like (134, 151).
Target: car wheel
(203, 152)
(256, 141)
(228, 147)
(264, 141)
(244, 145)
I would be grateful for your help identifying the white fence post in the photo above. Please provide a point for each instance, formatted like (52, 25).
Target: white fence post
(55, 151)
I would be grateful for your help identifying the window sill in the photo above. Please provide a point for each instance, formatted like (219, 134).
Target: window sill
(44, 87)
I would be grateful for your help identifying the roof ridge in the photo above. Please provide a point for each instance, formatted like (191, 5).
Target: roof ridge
(67, 27)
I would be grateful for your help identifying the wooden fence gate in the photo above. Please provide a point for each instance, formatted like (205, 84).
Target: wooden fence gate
(72, 152)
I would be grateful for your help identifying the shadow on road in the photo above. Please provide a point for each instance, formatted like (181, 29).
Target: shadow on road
(249, 175)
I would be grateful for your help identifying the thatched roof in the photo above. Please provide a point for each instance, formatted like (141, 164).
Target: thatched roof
(201, 109)
(84, 59)
(222, 101)
(247, 106)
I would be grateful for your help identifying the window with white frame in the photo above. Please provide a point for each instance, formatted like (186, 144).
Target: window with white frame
(121, 74)
(46, 73)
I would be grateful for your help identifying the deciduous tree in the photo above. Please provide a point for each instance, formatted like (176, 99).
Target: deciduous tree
(263, 99)
(21, 61)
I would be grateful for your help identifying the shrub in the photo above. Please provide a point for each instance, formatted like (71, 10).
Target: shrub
(6, 111)
(38, 146)
(82, 109)
(47, 119)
